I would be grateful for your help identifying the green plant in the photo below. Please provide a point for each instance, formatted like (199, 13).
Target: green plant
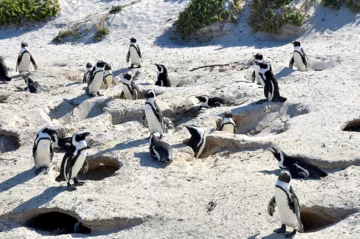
(61, 37)
(116, 9)
(201, 13)
(353, 5)
(18, 11)
(101, 32)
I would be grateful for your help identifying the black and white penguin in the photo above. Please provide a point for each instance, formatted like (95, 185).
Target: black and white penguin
(74, 160)
(24, 59)
(299, 57)
(298, 166)
(162, 76)
(256, 78)
(4, 75)
(131, 91)
(32, 86)
(43, 150)
(134, 54)
(197, 141)
(288, 205)
(88, 69)
(96, 78)
(211, 101)
(160, 150)
(108, 77)
(271, 89)
(61, 143)
(153, 114)
(228, 124)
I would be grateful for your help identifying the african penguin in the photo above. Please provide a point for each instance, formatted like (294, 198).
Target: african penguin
(130, 89)
(228, 124)
(197, 141)
(160, 150)
(299, 57)
(256, 78)
(271, 89)
(96, 78)
(74, 160)
(298, 166)
(24, 59)
(4, 75)
(211, 101)
(62, 143)
(43, 149)
(162, 76)
(86, 77)
(153, 114)
(108, 78)
(288, 205)
(134, 54)
(32, 86)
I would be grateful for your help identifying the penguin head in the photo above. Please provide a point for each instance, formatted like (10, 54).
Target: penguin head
(195, 131)
(107, 67)
(127, 76)
(48, 131)
(150, 94)
(24, 44)
(278, 154)
(89, 65)
(296, 43)
(100, 63)
(259, 56)
(153, 138)
(228, 114)
(132, 40)
(202, 99)
(78, 139)
(28, 80)
(80, 228)
(161, 68)
(284, 176)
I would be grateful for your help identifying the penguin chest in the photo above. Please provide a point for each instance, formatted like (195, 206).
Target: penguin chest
(95, 85)
(153, 122)
(258, 78)
(200, 147)
(134, 57)
(78, 164)
(108, 82)
(127, 92)
(299, 62)
(287, 216)
(228, 128)
(24, 63)
(42, 155)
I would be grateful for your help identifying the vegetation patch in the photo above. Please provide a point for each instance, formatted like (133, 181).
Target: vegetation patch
(353, 5)
(201, 13)
(20, 11)
(64, 35)
(119, 8)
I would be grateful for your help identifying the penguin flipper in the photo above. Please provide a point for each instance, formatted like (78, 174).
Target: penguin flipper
(296, 205)
(253, 76)
(128, 56)
(34, 149)
(271, 206)
(291, 64)
(51, 152)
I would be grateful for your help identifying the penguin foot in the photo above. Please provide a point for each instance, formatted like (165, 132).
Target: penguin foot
(71, 187)
(78, 183)
(282, 229)
(99, 94)
(291, 235)
(42, 169)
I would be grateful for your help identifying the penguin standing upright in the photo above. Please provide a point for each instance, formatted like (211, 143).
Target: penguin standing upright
(153, 114)
(160, 150)
(24, 59)
(288, 205)
(88, 70)
(74, 159)
(96, 78)
(197, 141)
(162, 76)
(130, 89)
(108, 78)
(271, 89)
(228, 124)
(134, 54)
(4, 75)
(32, 86)
(299, 57)
(256, 78)
(43, 149)
(299, 167)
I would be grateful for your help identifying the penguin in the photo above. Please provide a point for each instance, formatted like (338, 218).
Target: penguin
(153, 114)
(197, 141)
(134, 54)
(32, 86)
(271, 89)
(162, 76)
(74, 160)
(4, 75)
(160, 150)
(130, 89)
(256, 78)
(86, 77)
(211, 101)
(299, 167)
(43, 150)
(228, 124)
(24, 59)
(61, 144)
(96, 78)
(288, 205)
(108, 78)
(299, 57)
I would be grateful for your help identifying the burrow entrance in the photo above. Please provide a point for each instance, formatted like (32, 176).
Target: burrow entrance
(316, 218)
(100, 168)
(353, 126)
(8, 142)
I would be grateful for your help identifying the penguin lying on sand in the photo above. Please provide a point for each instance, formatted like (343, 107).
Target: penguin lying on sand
(24, 59)
(4, 75)
(162, 76)
(197, 141)
(299, 167)
(32, 86)
(160, 150)
(288, 206)
(299, 57)
(208, 102)
(43, 150)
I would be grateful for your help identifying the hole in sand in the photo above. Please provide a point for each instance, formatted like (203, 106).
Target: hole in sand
(316, 218)
(100, 169)
(353, 125)
(8, 142)
(182, 114)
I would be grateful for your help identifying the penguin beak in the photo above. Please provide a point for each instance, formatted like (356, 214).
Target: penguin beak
(86, 134)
